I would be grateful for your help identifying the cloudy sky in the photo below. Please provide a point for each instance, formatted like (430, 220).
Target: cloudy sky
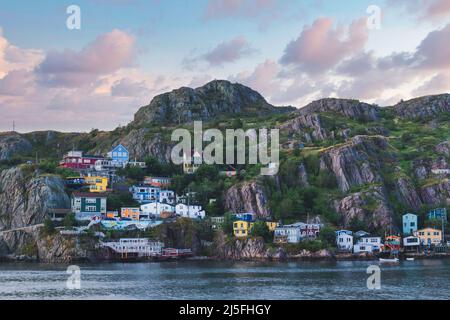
(291, 51)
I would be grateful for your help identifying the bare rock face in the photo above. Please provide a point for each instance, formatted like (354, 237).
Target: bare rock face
(350, 108)
(357, 162)
(12, 143)
(25, 201)
(437, 193)
(217, 98)
(370, 207)
(423, 107)
(407, 193)
(423, 168)
(308, 125)
(247, 197)
(140, 146)
(246, 249)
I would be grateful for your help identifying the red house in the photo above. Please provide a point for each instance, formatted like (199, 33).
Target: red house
(77, 161)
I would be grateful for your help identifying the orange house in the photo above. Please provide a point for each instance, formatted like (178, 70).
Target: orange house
(130, 213)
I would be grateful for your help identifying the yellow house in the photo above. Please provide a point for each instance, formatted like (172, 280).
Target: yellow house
(271, 225)
(97, 184)
(130, 213)
(242, 228)
(429, 236)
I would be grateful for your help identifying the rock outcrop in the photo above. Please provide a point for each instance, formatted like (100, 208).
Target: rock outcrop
(216, 99)
(357, 162)
(423, 107)
(247, 197)
(140, 145)
(25, 200)
(12, 143)
(308, 126)
(436, 193)
(353, 109)
(370, 208)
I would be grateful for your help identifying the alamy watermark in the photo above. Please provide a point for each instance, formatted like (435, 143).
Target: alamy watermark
(374, 280)
(73, 282)
(73, 21)
(234, 143)
(374, 20)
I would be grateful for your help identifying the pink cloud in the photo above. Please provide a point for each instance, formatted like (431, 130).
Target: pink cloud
(16, 83)
(106, 54)
(320, 47)
(229, 51)
(126, 87)
(425, 9)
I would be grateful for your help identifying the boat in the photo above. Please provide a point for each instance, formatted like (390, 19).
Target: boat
(409, 259)
(393, 260)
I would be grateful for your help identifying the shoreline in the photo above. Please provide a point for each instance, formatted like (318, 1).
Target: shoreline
(337, 258)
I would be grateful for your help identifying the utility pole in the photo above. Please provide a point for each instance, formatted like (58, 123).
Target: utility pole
(14, 126)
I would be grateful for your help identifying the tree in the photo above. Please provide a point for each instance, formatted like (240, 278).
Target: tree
(260, 229)
(69, 221)
(328, 236)
(49, 227)
(228, 224)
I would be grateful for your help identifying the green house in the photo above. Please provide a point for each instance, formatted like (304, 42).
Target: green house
(87, 206)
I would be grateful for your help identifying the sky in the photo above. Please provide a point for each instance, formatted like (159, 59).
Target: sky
(291, 51)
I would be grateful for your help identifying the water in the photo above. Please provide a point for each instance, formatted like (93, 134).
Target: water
(203, 280)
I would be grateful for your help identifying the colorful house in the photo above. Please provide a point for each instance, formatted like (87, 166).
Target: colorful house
(145, 194)
(439, 213)
(130, 213)
(88, 205)
(429, 236)
(160, 182)
(392, 243)
(242, 228)
(75, 160)
(409, 223)
(272, 225)
(119, 154)
(97, 183)
(249, 216)
(287, 234)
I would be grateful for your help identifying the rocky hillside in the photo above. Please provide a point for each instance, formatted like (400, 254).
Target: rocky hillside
(25, 199)
(216, 99)
(362, 165)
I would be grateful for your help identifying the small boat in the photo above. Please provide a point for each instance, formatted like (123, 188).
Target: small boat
(393, 260)
(409, 259)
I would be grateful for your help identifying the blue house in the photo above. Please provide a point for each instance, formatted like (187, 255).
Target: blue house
(249, 217)
(119, 154)
(409, 223)
(145, 194)
(438, 213)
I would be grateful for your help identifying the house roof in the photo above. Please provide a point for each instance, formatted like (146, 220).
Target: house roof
(88, 195)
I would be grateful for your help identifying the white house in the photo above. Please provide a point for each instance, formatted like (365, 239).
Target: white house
(288, 234)
(375, 242)
(344, 241)
(411, 243)
(155, 209)
(191, 211)
(363, 247)
(167, 196)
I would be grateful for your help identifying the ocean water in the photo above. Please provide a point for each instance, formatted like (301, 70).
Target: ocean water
(204, 280)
